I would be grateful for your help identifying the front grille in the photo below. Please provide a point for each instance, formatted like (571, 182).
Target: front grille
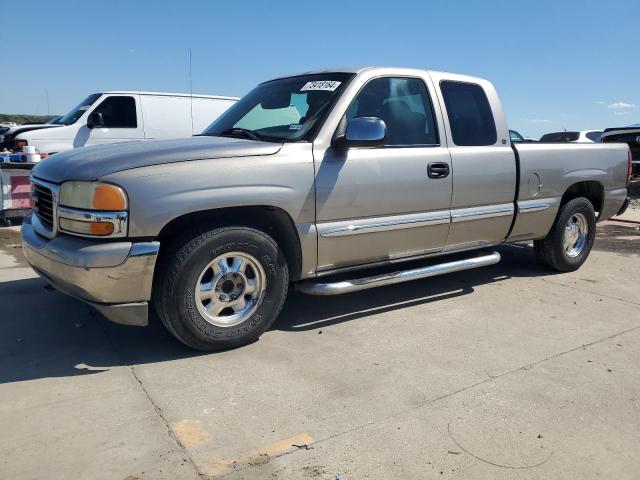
(43, 203)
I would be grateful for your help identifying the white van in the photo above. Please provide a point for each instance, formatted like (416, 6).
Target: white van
(110, 117)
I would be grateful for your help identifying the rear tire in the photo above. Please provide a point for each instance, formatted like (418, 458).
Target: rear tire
(222, 288)
(568, 244)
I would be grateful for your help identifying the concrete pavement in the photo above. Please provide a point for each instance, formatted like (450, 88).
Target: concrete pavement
(504, 372)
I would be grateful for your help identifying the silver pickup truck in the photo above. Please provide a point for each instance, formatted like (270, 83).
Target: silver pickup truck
(311, 179)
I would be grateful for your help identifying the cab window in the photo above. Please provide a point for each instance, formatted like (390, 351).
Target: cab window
(404, 106)
(118, 112)
(470, 116)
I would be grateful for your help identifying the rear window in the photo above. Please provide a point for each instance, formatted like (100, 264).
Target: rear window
(594, 136)
(470, 115)
(623, 137)
(560, 137)
(631, 138)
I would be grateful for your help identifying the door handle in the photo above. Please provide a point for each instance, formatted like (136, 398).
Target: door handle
(438, 170)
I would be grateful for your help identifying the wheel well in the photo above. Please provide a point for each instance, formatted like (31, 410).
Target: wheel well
(591, 190)
(271, 220)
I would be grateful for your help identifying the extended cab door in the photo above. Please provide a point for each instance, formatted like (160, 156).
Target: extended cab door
(483, 163)
(122, 121)
(379, 204)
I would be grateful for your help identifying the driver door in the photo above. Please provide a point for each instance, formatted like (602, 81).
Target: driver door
(379, 204)
(122, 118)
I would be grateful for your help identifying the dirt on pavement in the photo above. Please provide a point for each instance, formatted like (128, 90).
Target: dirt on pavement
(10, 245)
(617, 237)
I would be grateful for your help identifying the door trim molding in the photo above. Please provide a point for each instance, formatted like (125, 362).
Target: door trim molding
(537, 205)
(480, 213)
(388, 224)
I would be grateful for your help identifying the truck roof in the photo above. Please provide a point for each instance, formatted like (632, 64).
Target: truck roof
(382, 70)
(168, 94)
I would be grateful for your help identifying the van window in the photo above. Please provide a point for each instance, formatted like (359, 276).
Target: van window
(405, 107)
(118, 112)
(470, 115)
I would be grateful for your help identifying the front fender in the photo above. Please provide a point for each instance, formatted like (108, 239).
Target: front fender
(160, 193)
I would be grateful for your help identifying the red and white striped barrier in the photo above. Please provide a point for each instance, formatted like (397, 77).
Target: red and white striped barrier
(16, 190)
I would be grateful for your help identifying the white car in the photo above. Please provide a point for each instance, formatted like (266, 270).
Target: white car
(121, 116)
(582, 136)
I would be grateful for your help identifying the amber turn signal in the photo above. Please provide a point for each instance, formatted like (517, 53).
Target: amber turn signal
(109, 197)
(102, 229)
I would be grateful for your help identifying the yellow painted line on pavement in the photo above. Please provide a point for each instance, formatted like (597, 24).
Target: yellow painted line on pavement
(215, 468)
(190, 432)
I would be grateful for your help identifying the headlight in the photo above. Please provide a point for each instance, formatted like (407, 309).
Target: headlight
(93, 196)
(92, 209)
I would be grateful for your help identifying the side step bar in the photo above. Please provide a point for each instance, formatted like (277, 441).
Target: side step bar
(354, 285)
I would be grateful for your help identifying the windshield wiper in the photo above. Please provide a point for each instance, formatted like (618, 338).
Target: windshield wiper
(240, 132)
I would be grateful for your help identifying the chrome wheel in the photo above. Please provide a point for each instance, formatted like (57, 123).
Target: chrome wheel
(575, 234)
(230, 288)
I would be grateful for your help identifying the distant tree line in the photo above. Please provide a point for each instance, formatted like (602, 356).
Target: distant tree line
(24, 119)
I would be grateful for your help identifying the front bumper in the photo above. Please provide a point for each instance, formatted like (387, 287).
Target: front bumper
(115, 278)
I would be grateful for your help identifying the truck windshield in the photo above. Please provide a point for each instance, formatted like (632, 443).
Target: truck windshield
(284, 110)
(76, 113)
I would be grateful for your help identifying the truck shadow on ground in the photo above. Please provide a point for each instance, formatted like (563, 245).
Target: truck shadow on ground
(303, 312)
(45, 334)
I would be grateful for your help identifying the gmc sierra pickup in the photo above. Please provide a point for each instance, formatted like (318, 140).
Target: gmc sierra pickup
(310, 179)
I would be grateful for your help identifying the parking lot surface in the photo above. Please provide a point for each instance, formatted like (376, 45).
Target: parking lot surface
(506, 372)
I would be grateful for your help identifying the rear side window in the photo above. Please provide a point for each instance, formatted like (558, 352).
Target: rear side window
(470, 115)
(118, 112)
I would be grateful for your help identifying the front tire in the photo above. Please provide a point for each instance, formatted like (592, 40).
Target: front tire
(222, 288)
(571, 238)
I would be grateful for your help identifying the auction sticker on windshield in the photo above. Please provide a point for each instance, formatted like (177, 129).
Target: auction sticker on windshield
(326, 85)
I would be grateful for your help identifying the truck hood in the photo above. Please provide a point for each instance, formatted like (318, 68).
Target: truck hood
(91, 163)
(28, 128)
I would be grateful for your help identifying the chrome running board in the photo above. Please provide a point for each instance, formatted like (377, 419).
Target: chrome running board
(346, 286)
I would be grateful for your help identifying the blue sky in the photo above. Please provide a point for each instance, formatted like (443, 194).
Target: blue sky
(556, 64)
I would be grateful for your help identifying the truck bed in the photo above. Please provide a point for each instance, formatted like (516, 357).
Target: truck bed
(546, 171)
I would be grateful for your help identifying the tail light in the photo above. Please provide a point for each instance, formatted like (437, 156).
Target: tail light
(629, 168)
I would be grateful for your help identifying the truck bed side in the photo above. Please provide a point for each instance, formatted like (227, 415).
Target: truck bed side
(549, 172)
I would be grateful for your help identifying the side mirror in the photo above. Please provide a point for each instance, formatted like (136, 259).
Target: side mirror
(365, 132)
(95, 120)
